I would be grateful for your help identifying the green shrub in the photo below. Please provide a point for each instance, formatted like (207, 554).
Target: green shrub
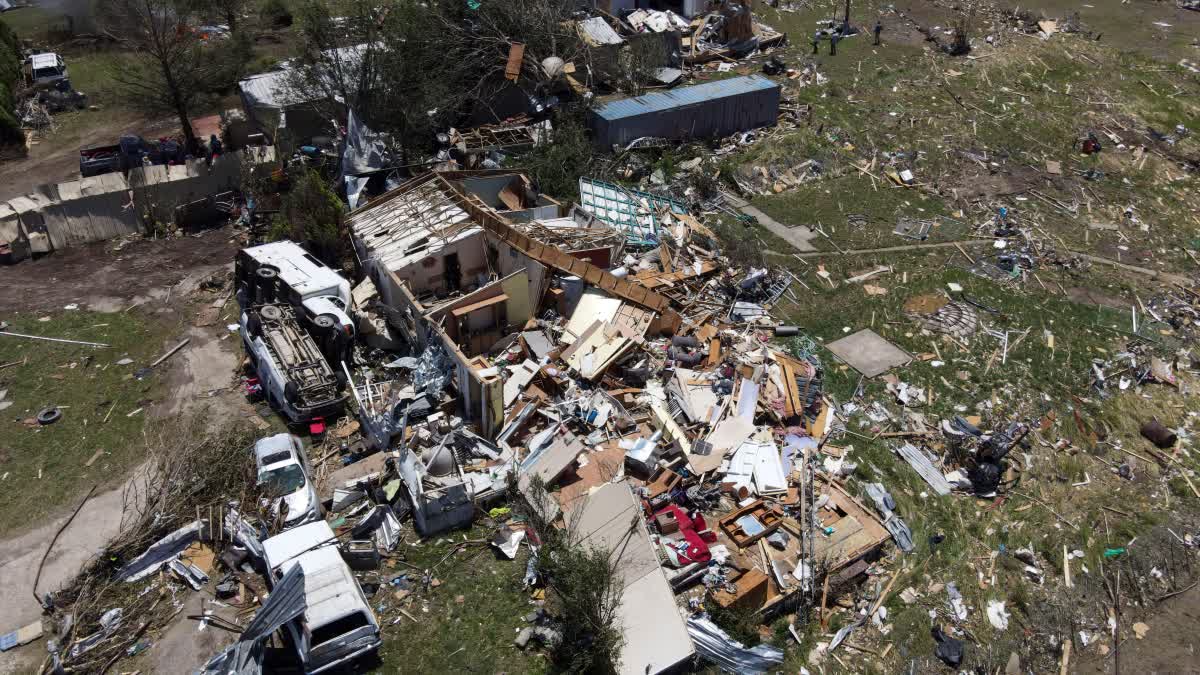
(557, 165)
(10, 77)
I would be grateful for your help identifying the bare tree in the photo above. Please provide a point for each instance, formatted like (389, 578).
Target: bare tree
(169, 68)
(230, 10)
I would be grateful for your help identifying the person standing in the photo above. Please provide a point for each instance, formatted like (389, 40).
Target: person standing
(878, 30)
(816, 41)
(833, 40)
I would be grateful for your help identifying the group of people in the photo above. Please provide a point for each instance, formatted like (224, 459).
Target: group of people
(837, 35)
(173, 150)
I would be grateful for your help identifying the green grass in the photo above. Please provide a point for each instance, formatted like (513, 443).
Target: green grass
(474, 636)
(92, 73)
(42, 467)
(1021, 105)
(32, 23)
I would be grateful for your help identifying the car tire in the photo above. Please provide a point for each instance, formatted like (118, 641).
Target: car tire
(49, 415)
(325, 321)
(271, 312)
(291, 392)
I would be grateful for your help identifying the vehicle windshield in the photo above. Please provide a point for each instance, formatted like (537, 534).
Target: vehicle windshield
(284, 480)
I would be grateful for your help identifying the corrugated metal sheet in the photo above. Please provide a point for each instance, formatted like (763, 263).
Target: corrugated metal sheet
(245, 657)
(705, 110)
(269, 90)
(596, 31)
(708, 92)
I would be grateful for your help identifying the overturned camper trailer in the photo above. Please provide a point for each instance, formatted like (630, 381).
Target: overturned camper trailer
(295, 327)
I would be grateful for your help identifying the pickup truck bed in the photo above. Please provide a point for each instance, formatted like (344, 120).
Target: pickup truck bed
(99, 159)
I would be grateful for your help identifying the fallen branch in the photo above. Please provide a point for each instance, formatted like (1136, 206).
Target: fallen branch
(54, 539)
(171, 353)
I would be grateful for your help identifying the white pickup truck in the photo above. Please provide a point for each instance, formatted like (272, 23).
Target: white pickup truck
(337, 625)
(45, 69)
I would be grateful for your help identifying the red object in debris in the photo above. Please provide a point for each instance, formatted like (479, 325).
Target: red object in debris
(695, 532)
(253, 387)
(317, 426)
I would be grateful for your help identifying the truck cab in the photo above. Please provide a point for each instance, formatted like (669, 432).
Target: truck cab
(45, 69)
(337, 625)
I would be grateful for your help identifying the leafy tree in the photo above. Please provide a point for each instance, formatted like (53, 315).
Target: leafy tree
(586, 587)
(412, 68)
(312, 215)
(169, 68)
(10, 76)
(558, 164)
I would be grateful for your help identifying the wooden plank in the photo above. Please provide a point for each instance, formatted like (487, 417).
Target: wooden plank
(664, 257)
(516, 54)
(714, 352)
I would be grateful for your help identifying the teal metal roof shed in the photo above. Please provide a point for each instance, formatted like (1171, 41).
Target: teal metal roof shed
(717, 108)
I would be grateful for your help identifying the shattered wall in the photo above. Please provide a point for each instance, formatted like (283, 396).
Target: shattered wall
(481, 397)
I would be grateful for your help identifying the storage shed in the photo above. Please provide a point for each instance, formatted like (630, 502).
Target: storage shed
(711, 109)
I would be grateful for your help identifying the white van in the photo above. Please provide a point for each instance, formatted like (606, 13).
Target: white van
(296, 377)
(337, 625)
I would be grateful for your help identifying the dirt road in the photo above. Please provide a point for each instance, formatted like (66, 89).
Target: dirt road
(163, 276)
(55, 159)
(97, 522)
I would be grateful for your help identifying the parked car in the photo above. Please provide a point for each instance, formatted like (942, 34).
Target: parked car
(283, 468)
(337, 625)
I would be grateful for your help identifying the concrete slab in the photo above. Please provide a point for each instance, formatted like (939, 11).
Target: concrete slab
(868, 353)
(799, 236)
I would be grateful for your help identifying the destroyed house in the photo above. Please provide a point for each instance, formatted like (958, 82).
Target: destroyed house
(464, 260)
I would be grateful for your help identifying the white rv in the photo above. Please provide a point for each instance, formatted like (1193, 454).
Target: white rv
(337, 625)
(283, 271)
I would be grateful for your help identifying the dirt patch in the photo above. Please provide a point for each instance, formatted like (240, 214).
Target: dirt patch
(105, 279)
(1169, 646)
(206, 374)
(184, 647)
(997, 184)
(1091, 296)
(56, 159)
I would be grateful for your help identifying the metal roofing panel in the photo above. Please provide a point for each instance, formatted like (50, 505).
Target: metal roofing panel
(596, 31)
(414, 222)
(683, 96)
